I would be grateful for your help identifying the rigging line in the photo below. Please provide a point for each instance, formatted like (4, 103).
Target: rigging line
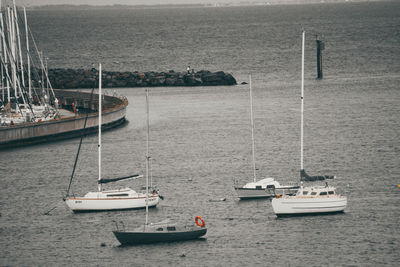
(23, 93)
(13, 60)
(35, 72)
(80, 142)
(252, 130)
(41, 60)
(90, 149)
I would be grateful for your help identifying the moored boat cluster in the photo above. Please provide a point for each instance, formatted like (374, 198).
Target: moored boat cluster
(20, 101)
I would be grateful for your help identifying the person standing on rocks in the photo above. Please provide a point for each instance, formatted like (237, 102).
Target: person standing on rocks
(188, 69)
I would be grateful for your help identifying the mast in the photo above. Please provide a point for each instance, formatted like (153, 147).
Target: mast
(27, 55)
(147, 155)
(46, 75)
(100, 107)
(12, 46)
(2, 78)
(18, 45)
(302, 102)
(42, 69)
(2, 81)
(1, 56)
(5, 56)
(252, 130)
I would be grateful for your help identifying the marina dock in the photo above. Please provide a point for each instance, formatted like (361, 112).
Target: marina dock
(68, 124)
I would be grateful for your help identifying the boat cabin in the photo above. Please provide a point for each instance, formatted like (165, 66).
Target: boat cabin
(316, 191)
(168, 228)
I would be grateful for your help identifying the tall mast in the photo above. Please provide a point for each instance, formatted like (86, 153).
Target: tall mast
(2, 81)
(12, 46)
(147, 155)
(5, 56)
(100, 106)
(14, 54)
(18, 45)
(27, 55)
(252, 130)
(302, 102)
(47, 75)
(1, 56)
(42, 68)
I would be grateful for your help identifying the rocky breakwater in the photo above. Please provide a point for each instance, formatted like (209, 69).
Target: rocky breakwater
(80, 78)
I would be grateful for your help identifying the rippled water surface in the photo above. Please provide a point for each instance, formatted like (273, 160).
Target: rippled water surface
(201, 138)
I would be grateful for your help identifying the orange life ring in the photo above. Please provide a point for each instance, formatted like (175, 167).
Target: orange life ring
(197, 219)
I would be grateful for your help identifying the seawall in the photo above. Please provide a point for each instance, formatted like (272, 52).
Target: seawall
(114, 111)
(80, 78)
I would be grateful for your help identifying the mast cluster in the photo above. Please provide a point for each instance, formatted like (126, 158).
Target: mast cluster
(20, 102)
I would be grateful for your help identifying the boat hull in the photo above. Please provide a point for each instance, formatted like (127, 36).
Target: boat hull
(136, 238)
(103, 204)
(250, 193)
(289, 206)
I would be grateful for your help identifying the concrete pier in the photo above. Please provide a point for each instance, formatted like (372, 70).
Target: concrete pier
(69, 124)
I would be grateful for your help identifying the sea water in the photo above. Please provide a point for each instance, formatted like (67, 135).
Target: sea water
(200, 137)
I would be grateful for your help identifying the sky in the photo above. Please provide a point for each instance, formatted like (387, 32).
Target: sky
(142, 2)
(122, 2)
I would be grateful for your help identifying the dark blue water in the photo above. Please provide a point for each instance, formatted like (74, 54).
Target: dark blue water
(201, 138)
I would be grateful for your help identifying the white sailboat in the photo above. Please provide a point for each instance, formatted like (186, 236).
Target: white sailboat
(309, 199)
(164, 231)
(266, 187)
(19, 102)
(118, 199)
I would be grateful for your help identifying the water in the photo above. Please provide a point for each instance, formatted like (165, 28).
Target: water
(201, 137)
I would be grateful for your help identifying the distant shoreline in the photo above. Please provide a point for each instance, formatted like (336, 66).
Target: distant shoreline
(198, 5)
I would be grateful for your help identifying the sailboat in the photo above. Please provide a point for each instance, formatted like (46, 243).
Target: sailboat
(309, 199)
(20, 102)
(264, 188)
(102, 200)
(164, 231)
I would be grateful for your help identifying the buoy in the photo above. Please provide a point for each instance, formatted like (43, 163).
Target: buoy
(398, 186)
(199, 221)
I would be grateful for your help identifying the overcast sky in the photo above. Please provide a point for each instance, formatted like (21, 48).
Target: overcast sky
(123, 2)
(144, 2)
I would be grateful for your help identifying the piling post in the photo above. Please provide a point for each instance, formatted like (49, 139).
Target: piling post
(320, 47)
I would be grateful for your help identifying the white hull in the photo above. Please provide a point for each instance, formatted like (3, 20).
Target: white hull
(100, 204)
(264, 188)
(308, 205)
(102, 201)
(247, 193)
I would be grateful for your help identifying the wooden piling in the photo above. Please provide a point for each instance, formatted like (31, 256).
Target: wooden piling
(320, 47)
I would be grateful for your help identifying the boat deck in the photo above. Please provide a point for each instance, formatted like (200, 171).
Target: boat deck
(65, 113)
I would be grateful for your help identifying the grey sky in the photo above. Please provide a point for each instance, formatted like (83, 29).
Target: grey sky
(149, 2)
(123, 2)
